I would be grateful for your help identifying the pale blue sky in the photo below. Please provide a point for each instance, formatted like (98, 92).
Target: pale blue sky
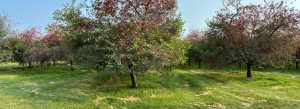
(197, 12)
(38, 13)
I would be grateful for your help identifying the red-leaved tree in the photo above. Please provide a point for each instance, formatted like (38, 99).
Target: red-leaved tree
(145, 34)
(54, 43)
(258, 32)
(29, 37)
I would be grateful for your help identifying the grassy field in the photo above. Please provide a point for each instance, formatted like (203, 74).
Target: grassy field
(59, 88)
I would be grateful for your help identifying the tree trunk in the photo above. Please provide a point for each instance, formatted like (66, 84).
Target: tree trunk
(189, 63)
(29, 64)
(41, 64)
(249, 65)
(133, 80)
(72, 69)
(54, 63)
(49, 63)
(132, 77)
(297, 65)
(199, 64)
(240, 64)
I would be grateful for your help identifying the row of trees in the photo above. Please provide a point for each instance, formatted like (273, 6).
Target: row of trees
(124, 36)
(31, 46)
(254, 34)
(135, 36)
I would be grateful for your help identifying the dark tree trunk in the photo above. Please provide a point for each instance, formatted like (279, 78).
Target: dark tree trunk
(199, 63)
(132, 77)
(297, 65)
(133, 80)
(41, 63)
(189, 61)
(54, 63)
(72, 69)
(249, 65)
(23, 66)
(49, 63)
(29, 64)
(240, 64)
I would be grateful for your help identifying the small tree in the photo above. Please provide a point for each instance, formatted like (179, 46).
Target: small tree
(41, 53)
(5, 50)
(28, 50)
(18, 48)
(79, 35)
(54, 44)
(196, 52)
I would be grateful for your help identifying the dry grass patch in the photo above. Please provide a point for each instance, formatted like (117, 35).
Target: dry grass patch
(125, 100)
(208, 92)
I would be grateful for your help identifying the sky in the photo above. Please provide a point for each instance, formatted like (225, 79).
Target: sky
(38, 13)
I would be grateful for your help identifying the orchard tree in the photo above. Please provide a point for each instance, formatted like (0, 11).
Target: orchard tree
(144, 34)
(5, 52)
(41, 53)
(29, 38)
(258, 33)
(126, 36)
(54, 44)
(82, 36)
(196, 52)
(297, 59)
(17, 47)
(297, 53)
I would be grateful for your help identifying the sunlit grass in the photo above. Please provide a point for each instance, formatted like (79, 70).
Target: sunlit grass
(57, 87)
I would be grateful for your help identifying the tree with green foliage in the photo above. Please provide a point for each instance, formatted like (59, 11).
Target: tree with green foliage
(28, 48)
(82, 36)
(5, 52)
(17, 47)
(54, 46)
(126, 36)
(196, 52)
(144, 35)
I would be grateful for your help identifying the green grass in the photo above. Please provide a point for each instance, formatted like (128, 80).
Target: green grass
(59, 88)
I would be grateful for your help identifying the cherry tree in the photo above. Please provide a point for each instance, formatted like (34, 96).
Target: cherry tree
(125, 36)
(54, 44)
(145, 34)
(258, 32)
(28, 38)
(196, 52)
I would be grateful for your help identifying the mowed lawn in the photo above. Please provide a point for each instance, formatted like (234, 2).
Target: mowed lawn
(59, 88)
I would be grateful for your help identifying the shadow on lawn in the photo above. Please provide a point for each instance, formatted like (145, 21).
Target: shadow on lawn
(55, 83)
(59, 84)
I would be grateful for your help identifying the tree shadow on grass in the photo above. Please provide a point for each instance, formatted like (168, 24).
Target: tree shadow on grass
(59, 84)
(55, 84)
(293, 72)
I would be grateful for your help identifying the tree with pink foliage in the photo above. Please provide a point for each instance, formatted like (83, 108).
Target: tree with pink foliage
(28, 38)
(145, 34)
(258, 32)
